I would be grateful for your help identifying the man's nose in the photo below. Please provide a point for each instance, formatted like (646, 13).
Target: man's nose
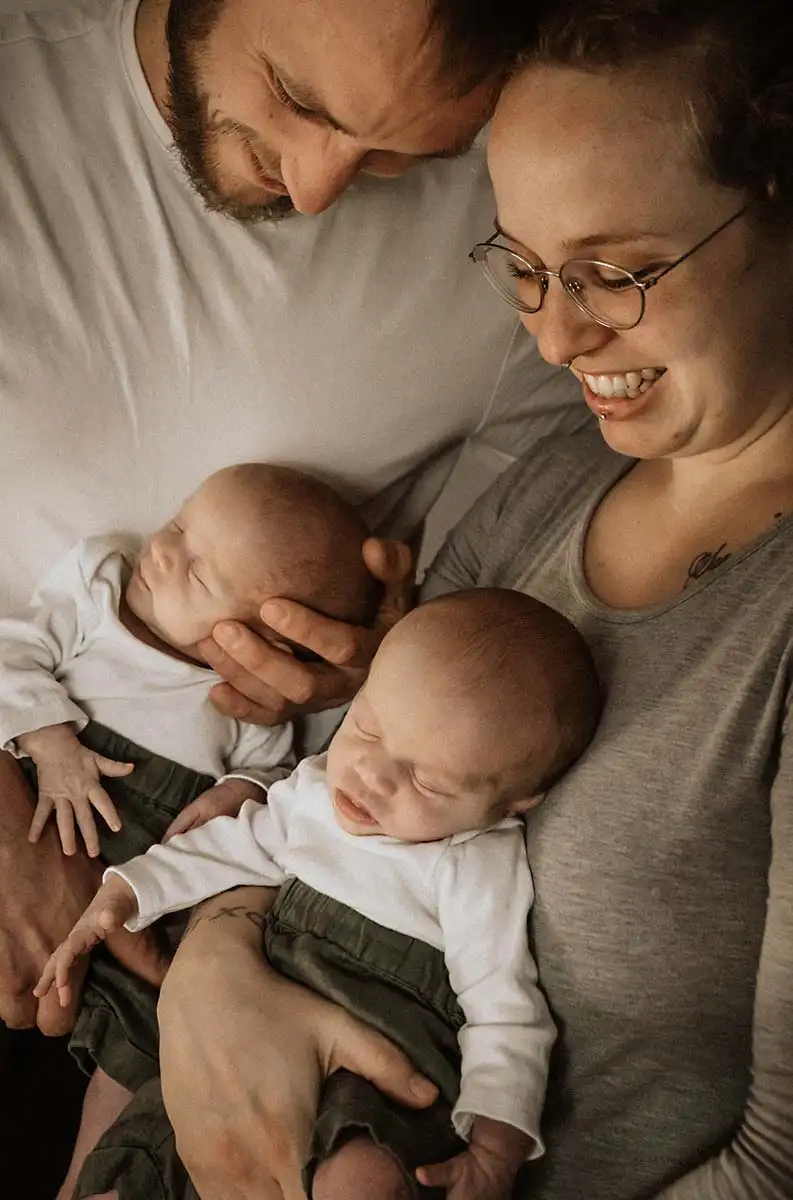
(319, 169)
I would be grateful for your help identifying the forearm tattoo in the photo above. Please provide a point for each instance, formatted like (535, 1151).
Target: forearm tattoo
(709, 560)
(234, 911)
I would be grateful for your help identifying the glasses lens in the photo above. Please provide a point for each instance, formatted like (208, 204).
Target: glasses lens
(605, 292)
(511, 276)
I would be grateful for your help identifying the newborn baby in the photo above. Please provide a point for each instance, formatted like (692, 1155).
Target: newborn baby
(405, 893)
(112, 637)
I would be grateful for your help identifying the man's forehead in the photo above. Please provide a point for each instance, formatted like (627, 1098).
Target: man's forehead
(375, 72)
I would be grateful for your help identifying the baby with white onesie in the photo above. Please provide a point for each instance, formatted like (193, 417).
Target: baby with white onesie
(112, 635)
(405, 890)
(106, 700)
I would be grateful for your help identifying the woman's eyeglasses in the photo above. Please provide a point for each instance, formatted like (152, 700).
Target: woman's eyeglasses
(609, 294)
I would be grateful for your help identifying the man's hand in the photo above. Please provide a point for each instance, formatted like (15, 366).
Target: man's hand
(42, 893)
(487, 1169)
(267, 685)
(69, 785)
(244, 1053)
(223, 800)
(110, 909)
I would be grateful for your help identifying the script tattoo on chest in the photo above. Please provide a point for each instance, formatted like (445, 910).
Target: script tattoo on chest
(709, 560)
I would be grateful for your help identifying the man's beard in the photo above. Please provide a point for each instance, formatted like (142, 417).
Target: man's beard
(189, 24)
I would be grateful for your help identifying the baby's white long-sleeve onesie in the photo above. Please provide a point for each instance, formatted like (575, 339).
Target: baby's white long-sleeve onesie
(468, 896)
(70, 659)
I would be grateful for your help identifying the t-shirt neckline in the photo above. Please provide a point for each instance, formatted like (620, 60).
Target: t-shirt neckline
(625, 616)
(134, 70)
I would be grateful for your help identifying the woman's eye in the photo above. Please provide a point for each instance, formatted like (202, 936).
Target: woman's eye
(614, 282)
(194, 574)
(518, 272)
(620, 282)
(366, 734)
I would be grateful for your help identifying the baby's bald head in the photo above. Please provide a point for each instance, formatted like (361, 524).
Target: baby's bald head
(288, 534)
(517, 671)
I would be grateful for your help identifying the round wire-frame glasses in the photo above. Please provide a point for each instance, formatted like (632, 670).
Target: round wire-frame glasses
(611, 295)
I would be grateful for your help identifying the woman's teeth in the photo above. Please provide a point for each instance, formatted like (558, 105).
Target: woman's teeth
(623, 387)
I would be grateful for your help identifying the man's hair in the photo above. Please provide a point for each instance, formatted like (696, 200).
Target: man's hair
(736, 76)
(481, 38)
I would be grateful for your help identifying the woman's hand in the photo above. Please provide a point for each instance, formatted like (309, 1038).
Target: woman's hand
(244, 1053)
(268, 685)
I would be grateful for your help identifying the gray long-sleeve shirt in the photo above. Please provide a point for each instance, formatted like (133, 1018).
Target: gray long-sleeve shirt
(663, 862)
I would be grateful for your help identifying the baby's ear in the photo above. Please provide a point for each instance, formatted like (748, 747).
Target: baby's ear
(522, 806)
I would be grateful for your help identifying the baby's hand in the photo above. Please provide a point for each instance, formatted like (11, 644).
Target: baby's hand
(68, 785)
(223, 800)
(487, 1169)
(110, 908)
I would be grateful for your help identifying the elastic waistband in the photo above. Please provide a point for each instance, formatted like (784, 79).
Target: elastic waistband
(405, 961)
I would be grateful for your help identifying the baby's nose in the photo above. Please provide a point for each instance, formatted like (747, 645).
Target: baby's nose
(376, 777)
(161, 554)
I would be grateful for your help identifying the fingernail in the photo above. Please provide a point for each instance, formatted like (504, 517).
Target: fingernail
(226, 636)
(422, 1088)
(273, 611)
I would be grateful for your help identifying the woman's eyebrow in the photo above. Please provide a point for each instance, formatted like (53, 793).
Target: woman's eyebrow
(616, 238)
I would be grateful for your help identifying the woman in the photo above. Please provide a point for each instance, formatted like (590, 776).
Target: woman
(661, 141)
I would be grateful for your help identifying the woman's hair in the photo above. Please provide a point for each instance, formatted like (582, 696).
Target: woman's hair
(736, 60)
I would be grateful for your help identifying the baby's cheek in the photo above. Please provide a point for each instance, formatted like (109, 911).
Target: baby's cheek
(181, 623)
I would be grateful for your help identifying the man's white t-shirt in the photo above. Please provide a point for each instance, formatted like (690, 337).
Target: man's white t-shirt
(145, 342)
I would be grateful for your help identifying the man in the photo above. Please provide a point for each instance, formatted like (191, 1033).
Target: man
(158, 321)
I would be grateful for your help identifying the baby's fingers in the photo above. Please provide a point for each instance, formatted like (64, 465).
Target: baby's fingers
(46, 979)
(109, 766)
(83, 814)
(40, 818)
(443, 1174)
(64, 817)
(57, 972)
(99, 799)
(184, 821)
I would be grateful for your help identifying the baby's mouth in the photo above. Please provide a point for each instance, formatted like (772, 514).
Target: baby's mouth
(352, 810)
(628, 385)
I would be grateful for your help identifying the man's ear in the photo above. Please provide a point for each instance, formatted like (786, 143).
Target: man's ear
(522, 806)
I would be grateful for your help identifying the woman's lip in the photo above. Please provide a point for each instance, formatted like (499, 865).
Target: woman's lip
(350, 811)
(615, 408)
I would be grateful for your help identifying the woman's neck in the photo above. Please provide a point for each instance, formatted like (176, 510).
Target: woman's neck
(760, 460)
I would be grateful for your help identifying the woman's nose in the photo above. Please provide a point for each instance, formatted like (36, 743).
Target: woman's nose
(563, 330)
